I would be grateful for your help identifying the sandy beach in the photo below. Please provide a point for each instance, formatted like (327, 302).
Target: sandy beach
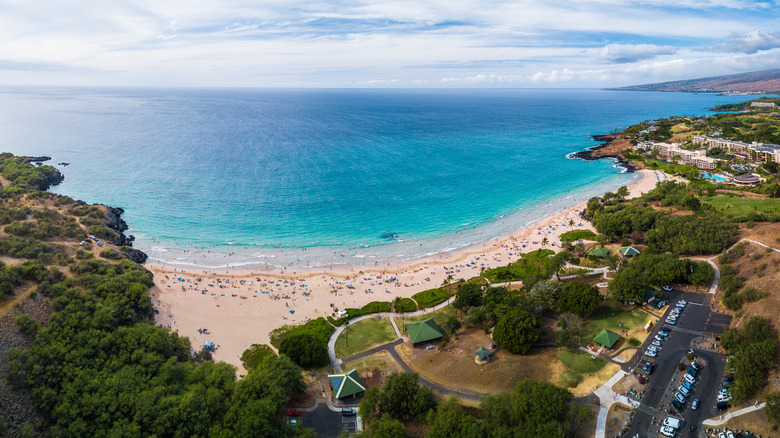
(240, 306)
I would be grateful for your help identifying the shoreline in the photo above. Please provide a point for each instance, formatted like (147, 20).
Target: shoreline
(241, 305)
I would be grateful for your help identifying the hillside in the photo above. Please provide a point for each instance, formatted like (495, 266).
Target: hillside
(766, 81)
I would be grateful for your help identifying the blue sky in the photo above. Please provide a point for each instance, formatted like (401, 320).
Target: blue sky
(383, 43)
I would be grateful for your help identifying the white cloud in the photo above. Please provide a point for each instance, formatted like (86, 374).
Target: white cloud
(623, 53)
(750, 42)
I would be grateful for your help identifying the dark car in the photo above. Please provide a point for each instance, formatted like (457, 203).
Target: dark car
(722, 405)
(692, 372)
(677, 405)
(348, 412)
(293, 413)
(648, 369)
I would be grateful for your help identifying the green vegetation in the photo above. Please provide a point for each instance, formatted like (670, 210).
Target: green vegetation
(255, 355)
(364, 335)
(517, 331)
(431, 297)
(532, 267)
(578, 363)
(404, 305)
(634, 342)
(575, 235)
(633, 279)
(533, 408)
(26, 324)
(579, 298)
(744, 209)
(306, 344)
(752, 353)
(614, 319)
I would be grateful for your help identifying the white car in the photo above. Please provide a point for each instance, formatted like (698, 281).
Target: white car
(653, 348)
(684, 391)
(667, 288)
(672, 422)
(649, 353)
(681, 303)
(668, 431)
(689, 378)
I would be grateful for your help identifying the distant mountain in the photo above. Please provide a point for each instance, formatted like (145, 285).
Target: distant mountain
(766, 81)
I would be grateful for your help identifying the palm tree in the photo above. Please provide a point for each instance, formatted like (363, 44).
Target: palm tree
(447, 281)
(571, 222)
(544, 243)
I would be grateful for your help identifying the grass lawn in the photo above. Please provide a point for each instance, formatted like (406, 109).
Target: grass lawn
(364, 335)
(609, 317)
(406, 305)
(431, 297)
(741, 206)
(440, 315)
(574, 235)
(580, 361)
(381, 360)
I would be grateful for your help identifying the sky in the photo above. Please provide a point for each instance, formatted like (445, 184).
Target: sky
(383, 43)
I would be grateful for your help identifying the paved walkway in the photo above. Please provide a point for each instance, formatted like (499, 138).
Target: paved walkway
(336, 362)
(607, 397)
(724, 418)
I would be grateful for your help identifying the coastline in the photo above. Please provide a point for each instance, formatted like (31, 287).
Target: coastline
(241, 305)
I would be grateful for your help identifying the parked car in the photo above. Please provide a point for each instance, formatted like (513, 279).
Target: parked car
(679, 397)
(695, 365)
(650, 353)
(659, 338)
(668, 431)
(293, 413)
(348, 412)
(671, 321)
(729, 434)
(664, 331)
(653, 348)
(722, 435)
(677, 405)
(723, 391)
(684, 391)
(656, 343)
(672, 422)
(648, 369)
(722, 405)
(687, 384)
(667, 288)
(692, 372)
(695, 404)
(726, 384)
(689, 378)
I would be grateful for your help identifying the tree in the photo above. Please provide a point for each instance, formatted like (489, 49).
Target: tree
(545, 242)
(386, 427)
(772, 190)
(305, 349)
(622, 192)
(404, 398)
(369, 405)
(578, 297)
(546, 293)
(468, 295)
(517, 331)
(534, 408)
(449, 420)
(770, 166)
(773, 407)
(629, 284)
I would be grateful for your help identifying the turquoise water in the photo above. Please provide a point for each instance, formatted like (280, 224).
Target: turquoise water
(715, 177)
(218, 176)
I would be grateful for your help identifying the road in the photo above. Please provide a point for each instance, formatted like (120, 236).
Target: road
(696, 319)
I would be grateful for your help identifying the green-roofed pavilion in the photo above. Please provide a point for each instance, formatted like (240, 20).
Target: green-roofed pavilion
(482, 353)
(629, 251)
(346, 384)
(606, 338)
(599, 252)
(423, 331)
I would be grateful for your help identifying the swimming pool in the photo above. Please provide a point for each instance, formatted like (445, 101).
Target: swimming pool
(717, 178)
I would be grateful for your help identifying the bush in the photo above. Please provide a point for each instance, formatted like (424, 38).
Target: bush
(26, 324)
(306, 350)
(255, 355)
(517, 331)
(110, 254)
(431, 297)
(405, 305)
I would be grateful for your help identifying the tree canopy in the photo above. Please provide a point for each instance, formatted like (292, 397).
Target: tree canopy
(517, 331)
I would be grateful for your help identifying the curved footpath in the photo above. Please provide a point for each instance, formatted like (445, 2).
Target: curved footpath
(724, 418)
(336, 362)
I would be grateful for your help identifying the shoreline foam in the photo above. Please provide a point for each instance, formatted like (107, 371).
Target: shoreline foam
(240, 306)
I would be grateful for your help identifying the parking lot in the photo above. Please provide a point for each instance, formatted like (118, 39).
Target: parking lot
(695, 321)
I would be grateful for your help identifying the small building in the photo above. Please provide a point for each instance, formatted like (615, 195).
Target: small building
(598, 251)
(606, 338)
(746, 179)
(628, 251)
(482, 355)
(650, 295)
(423, 331)
(346, 384)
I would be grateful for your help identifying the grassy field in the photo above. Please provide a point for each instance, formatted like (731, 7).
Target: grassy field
(578, 234)
(406, 305)
(381, 360)
(578, 364)
(609, 317)
(741, 206)
(440, 314)
(431, 297)
(364, 335)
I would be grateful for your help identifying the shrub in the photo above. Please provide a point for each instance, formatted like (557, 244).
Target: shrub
(306, 350)
(26, 324)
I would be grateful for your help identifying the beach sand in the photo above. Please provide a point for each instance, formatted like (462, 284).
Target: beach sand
(240, 307)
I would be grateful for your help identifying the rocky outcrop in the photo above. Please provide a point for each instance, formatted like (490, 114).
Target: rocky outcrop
(115, 222)
(591, 153)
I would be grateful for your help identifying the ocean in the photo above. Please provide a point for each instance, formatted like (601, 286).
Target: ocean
(226, 177)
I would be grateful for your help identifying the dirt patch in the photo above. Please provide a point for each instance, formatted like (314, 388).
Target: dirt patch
(766, 233)
(454, 366)
(628, 383)
(754, 422)
(380, 361)
(587, 430)
(614, 148)
(761, 269)
(618, 418)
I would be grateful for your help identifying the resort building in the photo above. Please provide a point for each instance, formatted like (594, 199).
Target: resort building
(668, 151)
(762, 104)
(756, 152)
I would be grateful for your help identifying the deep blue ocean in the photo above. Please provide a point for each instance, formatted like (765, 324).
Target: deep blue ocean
(238, 176)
